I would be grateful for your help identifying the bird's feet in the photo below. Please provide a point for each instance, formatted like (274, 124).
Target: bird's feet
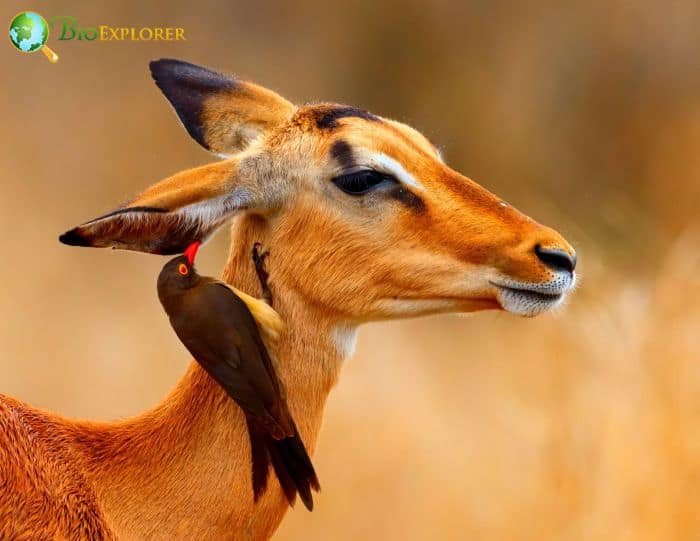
(259, 261)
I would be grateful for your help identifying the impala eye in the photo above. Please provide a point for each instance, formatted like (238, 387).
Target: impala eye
(182, 269)
(362, 182)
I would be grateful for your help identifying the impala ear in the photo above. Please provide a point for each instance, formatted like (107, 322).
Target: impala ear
(221, 113)
(171, 214)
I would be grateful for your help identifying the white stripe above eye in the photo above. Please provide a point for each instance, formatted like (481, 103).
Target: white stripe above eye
(386, 164)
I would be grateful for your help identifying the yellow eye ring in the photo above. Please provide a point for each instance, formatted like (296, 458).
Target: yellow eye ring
(182, 269)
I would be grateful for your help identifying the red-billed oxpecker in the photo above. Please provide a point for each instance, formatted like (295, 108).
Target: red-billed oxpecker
(226, 330)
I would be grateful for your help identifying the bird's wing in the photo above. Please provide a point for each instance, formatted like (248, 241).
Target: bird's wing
(221, 333)
(268, 320)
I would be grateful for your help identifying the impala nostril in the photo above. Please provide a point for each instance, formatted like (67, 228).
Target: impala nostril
(555, 258)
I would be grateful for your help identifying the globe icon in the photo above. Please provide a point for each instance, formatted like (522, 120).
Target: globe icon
(29, 32)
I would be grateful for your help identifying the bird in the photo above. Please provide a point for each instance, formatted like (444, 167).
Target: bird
(226, 332)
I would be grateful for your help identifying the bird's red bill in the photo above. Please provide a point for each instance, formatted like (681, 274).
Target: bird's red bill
(191, 251)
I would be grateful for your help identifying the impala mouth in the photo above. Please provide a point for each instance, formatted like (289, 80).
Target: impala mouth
(529, 300)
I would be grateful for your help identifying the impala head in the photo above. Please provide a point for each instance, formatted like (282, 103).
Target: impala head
(363, 217)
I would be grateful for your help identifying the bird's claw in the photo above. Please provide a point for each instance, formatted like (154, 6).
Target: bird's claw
(259, 261)
(259, 258)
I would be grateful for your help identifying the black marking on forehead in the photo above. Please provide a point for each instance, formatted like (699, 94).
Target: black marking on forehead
(341, 152)
(407, 197)
(327, 118)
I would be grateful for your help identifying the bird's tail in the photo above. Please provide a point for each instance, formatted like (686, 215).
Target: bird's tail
(294, 468)
(290, 461)
(260, 457)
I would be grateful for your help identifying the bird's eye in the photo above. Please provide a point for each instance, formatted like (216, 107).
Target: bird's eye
(182, 269)
(362, 182)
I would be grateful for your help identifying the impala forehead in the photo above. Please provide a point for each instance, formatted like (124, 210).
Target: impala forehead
(416, 139)
(386, 136)
(324, 119)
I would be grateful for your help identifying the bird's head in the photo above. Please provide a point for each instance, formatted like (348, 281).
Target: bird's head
(179, 273)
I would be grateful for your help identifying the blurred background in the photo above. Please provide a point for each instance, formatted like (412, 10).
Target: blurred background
(583, 424)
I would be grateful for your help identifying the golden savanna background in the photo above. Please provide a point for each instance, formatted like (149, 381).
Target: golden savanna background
(578, 425)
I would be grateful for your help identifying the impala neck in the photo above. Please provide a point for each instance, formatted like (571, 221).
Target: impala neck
(311, 352)
(182, 470)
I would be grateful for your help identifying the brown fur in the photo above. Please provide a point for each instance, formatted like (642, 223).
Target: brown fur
(182, 470)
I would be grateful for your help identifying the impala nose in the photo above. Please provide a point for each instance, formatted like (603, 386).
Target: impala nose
(556, 259)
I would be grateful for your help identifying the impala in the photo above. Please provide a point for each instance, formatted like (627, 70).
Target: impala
(364, 222)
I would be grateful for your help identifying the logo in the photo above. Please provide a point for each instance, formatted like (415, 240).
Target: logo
(69, 29)
(29, 33)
